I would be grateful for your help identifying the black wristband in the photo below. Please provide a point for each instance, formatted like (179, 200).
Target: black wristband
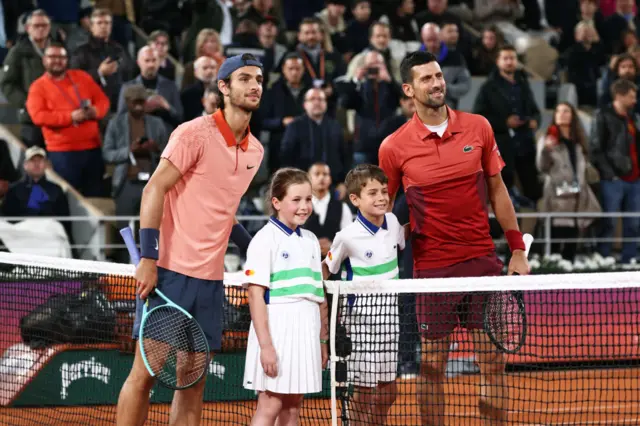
(240, 237)
(149, 243)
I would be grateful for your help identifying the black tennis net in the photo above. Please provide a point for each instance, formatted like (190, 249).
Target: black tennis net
(66, 349)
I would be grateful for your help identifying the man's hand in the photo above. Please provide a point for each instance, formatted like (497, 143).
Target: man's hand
(360, 74)
(384, 74)
(287, 120)
(91, 112)
(79, 115)
(107, 67)
(342, 191)
(156, 102)
(518, 264)
(325, 246)
(146, 276)
(514, 121)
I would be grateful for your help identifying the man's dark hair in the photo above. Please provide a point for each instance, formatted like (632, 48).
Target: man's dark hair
(291, 55)
(56, 45)
(622, 58)
(318, 164)
(505, 48)
(309, 20)
(414, 59)
(622, 87)
(378, 24)
(359, 177)
(158, 33)
(449, 21)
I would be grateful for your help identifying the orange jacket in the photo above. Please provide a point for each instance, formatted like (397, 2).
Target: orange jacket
(50, 104)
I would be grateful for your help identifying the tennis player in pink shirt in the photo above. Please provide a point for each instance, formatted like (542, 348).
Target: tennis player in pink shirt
(186, 218)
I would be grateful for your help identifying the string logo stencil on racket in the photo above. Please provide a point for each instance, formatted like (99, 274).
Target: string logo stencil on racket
(173, 346)
(505, 316)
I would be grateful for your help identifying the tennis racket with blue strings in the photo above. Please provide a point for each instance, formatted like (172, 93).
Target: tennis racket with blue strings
(172, 344)
(505, 316)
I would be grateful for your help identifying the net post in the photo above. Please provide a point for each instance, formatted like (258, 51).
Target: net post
(332, 352)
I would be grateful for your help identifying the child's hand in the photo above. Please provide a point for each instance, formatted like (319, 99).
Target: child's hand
(269, 361)
(324, 348)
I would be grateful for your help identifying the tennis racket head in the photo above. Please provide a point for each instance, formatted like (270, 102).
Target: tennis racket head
(505, 320)
(174, 347)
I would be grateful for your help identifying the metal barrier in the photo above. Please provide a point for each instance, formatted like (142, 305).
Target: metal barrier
(99, 245)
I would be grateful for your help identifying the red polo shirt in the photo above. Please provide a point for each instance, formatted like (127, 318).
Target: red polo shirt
(444, 181)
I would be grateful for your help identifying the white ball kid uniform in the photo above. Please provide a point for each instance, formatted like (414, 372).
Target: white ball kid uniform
(367, 252)
(288, 264)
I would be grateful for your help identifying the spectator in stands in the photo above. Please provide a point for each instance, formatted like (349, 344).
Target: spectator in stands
(624, 19)
(165, 103)
(8, 172)
(358, 27)
(206, 70)
(211, 99)
(503, 13)
(245, 40)
(322, 67)
(273, 51)
(484, 55)
(329, 215)
(314, 136)
(453, 65)
(624, 67)
(215, 15)
(403, 22)
(35, 195)
(82, 33)
(590, 13)
(282, 102)
(437, 13)
(506, 100)
(374, 95)
(103, 58)
(159, 41)
(394, 122)
(207, 44)
(562, 159)
(64, 14)
(133, 143)
(379, 39)
(295, 11)
(629, 40)
(584, 60)
(123, 14)
(450, 36)
(22, 66)
(258, 10)
(614, 153)
(68, 104)
(332, 18)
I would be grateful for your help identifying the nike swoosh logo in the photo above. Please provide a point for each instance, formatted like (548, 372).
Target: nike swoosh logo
(250, 167)
(156, 244)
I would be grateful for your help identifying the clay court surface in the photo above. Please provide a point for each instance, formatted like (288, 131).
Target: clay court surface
(576, 397)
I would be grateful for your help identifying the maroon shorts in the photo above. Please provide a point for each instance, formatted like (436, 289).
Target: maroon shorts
(438, 314)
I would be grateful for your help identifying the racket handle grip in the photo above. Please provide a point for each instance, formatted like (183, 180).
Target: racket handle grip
(528, 240)
(130, 242)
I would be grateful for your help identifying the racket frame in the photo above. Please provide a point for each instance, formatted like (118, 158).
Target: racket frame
(519, 297)
(145, 314)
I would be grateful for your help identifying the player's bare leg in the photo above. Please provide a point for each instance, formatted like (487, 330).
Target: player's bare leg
(493, 402)
(430, 388)
(133, 403)
(290, 411)
(186, 407)
(269, 407)
(383, 399)
(361, 410)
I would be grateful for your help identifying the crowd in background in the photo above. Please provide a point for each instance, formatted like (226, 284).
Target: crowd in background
(332, 94)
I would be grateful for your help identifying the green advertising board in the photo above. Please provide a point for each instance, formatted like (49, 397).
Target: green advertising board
(95, 377)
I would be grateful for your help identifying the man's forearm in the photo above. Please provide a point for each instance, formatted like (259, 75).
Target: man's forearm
(503, 208)
(151, 206)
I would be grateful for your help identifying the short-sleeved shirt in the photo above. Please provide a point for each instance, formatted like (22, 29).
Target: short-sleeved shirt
(199, 209)
(445, 186)
(287, 262)
(366, 251)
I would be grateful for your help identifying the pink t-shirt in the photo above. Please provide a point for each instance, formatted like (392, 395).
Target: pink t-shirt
(199, 209)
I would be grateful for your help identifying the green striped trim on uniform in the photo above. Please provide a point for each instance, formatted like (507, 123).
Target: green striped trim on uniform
(384, 268)
(297, 290)
(291, 274)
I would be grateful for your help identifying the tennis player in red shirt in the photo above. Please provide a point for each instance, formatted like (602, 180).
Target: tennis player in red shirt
(449, 164)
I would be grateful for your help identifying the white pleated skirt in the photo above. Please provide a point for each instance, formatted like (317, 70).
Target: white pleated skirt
(295, 332)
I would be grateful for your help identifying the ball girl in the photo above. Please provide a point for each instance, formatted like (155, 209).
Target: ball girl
(287, 347)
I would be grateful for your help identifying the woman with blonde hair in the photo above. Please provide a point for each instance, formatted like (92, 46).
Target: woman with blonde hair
(563, 160)
(207, 44)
